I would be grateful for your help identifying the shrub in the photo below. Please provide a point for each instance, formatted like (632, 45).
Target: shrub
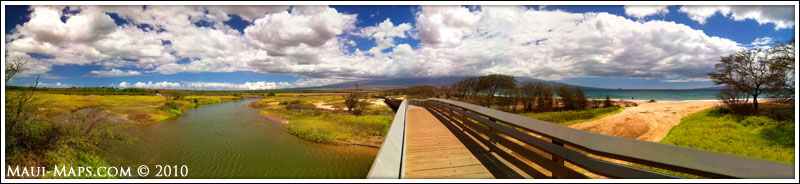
(168, 106)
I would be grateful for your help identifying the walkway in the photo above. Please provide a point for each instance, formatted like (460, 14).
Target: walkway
(432, 151)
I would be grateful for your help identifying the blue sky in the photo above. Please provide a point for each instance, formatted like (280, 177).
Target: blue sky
(235, 49)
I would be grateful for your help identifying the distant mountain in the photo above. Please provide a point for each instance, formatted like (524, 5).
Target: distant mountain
(434, 81)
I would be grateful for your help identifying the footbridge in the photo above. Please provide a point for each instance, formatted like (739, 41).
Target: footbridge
(439, 138)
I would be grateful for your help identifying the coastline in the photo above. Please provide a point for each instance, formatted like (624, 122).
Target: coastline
(646, 121)
(371, 142)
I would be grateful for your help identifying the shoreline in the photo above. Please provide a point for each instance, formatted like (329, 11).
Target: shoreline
(647, 121)
(371, 143)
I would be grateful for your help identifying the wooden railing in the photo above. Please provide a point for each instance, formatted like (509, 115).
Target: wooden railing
(510, 137)
(389, 163)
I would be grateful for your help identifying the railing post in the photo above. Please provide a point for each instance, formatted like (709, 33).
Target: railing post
(556, 159)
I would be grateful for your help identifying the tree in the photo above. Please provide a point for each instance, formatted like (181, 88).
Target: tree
(735, 99)
(783, 56)
(528, 92)
(495, 82)
(466, 87)
(544, 96)
(607, 102)
(567, 98)
(750, 71)
(15, 65)
(352, 99)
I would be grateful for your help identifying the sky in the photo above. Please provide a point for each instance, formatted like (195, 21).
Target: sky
(274, 47)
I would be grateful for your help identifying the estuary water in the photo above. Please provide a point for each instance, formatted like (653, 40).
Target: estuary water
(231, 140)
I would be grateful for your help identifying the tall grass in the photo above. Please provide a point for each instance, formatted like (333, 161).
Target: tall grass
(142, 109)
(715, 129)
(750, 136)
(326, 126)
(573, 116)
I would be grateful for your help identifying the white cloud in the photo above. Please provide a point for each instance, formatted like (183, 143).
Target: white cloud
(445, 25)
(641, 11)
(781, 16)
(687, 80)
(150, 84)
(258, 85)
(114, 73)
(384, 34)
(574, 45)
(313, 42)
(311, 26)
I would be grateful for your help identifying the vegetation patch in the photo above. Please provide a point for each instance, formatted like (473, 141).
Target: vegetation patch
(327, 126)
(717, 129)
(573, 116)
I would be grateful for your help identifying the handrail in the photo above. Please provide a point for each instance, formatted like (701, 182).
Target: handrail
(389, 162)
(682, 159)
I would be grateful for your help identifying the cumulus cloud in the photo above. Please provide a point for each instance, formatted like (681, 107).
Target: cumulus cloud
(150, 84)
(311, 26)
(314, 42)
(258, 85)
(114, 73)
(781, 16)
(575, 45)
(384, 34)
(445, 25)
(641, 11)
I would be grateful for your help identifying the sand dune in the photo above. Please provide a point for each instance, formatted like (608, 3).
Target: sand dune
(648, 121)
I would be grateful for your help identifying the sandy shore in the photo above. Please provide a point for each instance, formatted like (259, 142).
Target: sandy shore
(647, 121)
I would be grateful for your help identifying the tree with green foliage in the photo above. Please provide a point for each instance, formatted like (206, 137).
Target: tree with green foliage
(544, 96)
(352, 100)
(528, 94)
(754, 72)
(607, 102)
(491, 84)
(783, 56)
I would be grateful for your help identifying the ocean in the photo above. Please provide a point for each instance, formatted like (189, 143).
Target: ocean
(658, 95)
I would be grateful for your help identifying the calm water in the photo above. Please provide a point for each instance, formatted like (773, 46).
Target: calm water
(230, 140)
(658, 95)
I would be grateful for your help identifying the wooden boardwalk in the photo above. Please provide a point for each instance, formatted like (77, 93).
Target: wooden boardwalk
(433, 151)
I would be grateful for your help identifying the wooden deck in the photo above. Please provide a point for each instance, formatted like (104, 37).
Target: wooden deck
(433, 151)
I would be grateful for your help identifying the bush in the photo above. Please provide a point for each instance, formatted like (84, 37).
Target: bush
(168, 106)
(567, 117)
(607, 102)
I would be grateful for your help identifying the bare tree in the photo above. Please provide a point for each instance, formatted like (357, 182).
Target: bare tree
(15, 65)
(750, 71)
(733, 98)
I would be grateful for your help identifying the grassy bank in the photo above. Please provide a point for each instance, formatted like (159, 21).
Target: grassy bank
(207, 100)
(137, 108)
(573, 116)
(325, 125)
(756, 136)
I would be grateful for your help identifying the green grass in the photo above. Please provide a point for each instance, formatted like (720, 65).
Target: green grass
(572, 116)
(326, 126)
(752, 136)
(207, 100)
(138, 108)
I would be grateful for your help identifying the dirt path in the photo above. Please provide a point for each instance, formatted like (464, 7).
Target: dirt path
(648, 121)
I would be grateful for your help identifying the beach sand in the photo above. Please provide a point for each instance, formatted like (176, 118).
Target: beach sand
(647, 121)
